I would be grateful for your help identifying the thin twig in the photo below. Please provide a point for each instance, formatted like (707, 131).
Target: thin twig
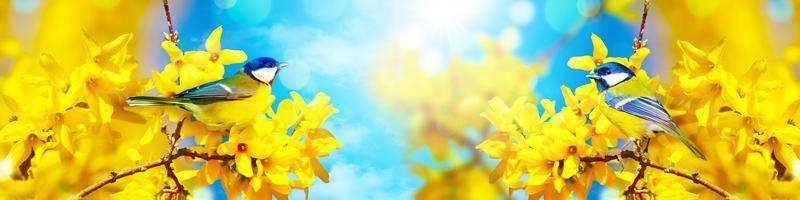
(116, 175)
(173, 143)
(172, 36)
(640, 42)
(694, 177)
(632, 189)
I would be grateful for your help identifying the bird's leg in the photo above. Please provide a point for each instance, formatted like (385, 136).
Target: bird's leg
(627, 144)
(622, 148)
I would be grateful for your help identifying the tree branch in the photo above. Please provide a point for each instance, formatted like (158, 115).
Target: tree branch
(172, 36)
(172, 154)
(116, 175)
(694, 177)
(640, 42)
(173, 143)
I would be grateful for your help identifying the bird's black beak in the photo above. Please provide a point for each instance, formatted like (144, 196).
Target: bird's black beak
(282, 65)
(592, 76)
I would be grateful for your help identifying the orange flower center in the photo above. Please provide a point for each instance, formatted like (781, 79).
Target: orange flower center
(242, 147)
(572, 149)
(214, 57)
(773, 140)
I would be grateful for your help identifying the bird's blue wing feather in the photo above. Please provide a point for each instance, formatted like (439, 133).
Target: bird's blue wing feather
(214, 91)
(643, 107)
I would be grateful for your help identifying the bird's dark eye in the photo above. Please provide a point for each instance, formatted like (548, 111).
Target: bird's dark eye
(603, 71)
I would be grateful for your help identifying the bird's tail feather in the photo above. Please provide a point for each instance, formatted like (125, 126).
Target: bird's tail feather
(692, 147)
(153, 101)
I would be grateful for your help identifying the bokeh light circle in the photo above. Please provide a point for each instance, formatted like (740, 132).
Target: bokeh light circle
(561, 15)
(24, 6)
(296, 75)
(780, 10)
(225, 4)
(250, 12)
(325, 10)
(589, 8)
(521, 12)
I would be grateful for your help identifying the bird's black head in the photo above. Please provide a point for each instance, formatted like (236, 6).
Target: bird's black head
(263, 69)
(610, 74)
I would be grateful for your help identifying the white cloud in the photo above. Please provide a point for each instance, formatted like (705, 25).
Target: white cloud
(350, 181)
(521, 12)
(350, 134)
(338, 54)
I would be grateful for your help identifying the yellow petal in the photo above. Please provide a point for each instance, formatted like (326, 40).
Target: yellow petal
(538, 177)
(286, 156)
(786, 155)
(153, 127)
(105, 109)
(91, 45)
(16, 131)
(257, 181)
(715, 54)
(694, 53)
(228, 57)
(626, 176)
(741, 141)
(549, 106)
(600, 51)
(134, 155)
(570, 166)
(788, 134)
(638, 57)
(64, 137)
(299, 99)
(258, 150)
(585, 63)
(76, 92)
(212, 43)
(19, 152)
(186, 174)
(165, 85)
(702, 115)
(558, 184)
(243, 165)
(569, 98)
(115, 46)
(172, 50)
(498, 171)
(675, 157)
(319, 170)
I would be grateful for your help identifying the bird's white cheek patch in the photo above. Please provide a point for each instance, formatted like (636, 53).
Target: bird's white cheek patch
(265, 74)
(615, 78)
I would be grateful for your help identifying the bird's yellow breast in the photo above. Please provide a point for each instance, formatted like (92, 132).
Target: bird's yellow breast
(630, 125)
(225, 114)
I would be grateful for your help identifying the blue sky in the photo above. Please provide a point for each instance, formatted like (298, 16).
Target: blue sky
(332, 45)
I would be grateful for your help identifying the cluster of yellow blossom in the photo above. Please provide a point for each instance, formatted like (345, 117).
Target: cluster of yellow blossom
(749, 136)
(442, 107)
(63, 128)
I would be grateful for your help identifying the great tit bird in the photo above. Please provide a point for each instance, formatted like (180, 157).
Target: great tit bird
(226, 102)
(632, 107)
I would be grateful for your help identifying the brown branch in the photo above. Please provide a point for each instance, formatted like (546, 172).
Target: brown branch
(640, 42)
(116, 175)
(172, 153)
(632, 189)
(172, 36)
(173, 143)
(694, 177)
